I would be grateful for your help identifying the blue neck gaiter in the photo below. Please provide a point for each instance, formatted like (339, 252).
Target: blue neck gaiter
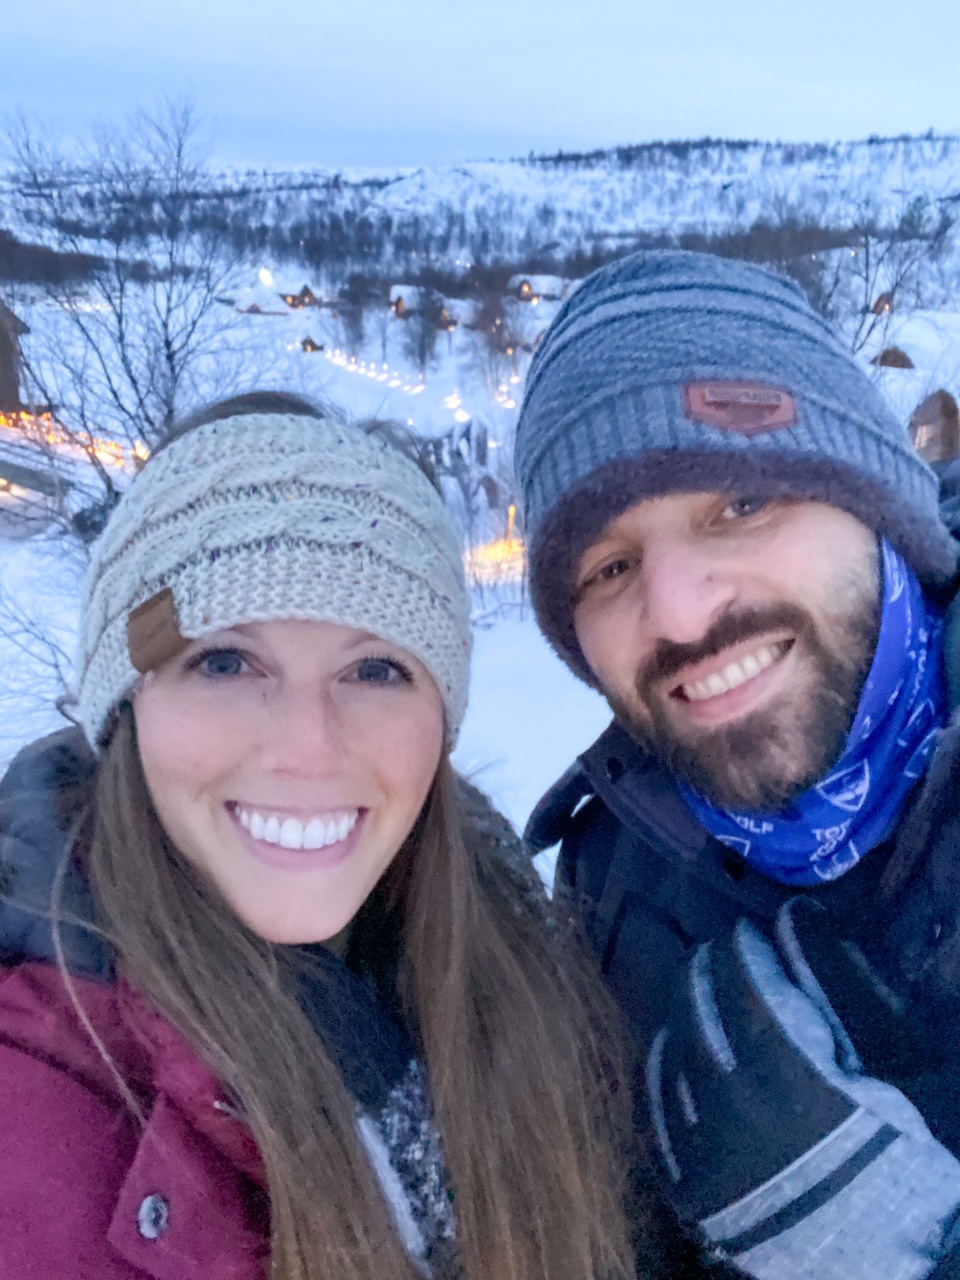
(902, 709)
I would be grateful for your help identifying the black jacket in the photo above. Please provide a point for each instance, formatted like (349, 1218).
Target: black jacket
(665, 904)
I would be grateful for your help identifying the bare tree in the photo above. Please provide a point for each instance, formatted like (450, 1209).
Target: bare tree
(886, 266)
(421, 328)
(119, 355)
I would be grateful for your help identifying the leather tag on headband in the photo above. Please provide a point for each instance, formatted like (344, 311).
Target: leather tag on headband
(153, 632)
(746, 407)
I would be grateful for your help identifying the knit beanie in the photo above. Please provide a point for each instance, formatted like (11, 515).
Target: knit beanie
(272, 516)
(672, 372)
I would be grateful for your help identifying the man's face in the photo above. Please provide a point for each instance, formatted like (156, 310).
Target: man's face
(732, 636)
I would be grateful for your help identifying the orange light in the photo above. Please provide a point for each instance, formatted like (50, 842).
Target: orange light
(494, 563)
(43, 428)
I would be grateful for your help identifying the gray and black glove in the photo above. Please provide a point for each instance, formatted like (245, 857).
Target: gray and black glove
(789, 1160)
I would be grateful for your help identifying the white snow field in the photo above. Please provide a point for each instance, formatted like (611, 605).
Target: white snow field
(528, 716)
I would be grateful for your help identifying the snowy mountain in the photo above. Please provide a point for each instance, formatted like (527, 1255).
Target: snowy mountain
(565, 209)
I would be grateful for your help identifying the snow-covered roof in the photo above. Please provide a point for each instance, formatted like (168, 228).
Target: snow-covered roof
(540, 286)
(263, 298)
(463, 310)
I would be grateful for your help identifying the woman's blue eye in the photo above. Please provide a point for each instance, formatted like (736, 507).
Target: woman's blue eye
(382, 671)
(220, 663)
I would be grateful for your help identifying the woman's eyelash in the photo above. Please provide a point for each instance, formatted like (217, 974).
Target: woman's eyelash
(214, 651)
(400, 667)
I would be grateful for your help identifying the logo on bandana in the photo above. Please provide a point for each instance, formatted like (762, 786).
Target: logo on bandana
(847, 789)
(746, 407)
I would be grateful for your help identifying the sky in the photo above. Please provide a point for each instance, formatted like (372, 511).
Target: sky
(389, 83)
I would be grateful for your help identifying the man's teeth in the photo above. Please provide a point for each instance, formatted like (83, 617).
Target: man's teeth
(291, 833)
(733, 674)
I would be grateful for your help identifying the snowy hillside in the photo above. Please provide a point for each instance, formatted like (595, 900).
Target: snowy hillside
(566, 205)
(558, 208)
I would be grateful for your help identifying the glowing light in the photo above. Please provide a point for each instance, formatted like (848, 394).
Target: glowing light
(266, 277)
(416, 390)
(499, 562)
(43, 429)
(452, 401)
(462, 416)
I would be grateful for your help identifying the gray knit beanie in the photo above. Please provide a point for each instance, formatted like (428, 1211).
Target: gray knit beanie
(269, 516)
(670, 372)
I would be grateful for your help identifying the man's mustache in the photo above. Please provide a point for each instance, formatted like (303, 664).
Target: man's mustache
(669, 658)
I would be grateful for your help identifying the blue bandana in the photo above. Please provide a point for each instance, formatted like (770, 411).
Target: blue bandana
(902, 709)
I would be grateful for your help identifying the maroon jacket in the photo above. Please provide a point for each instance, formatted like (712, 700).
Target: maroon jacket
(87, 1192)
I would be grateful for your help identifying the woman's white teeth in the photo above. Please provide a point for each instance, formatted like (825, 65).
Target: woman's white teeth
(291, 833)
(733, 674)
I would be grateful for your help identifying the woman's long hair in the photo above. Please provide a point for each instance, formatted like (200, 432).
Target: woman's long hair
(509, 1015)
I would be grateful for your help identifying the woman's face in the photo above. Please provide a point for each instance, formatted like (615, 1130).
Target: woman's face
(289, 761)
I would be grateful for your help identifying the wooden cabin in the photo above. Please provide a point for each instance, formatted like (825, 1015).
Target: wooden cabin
(893, 358)
(935, 427)
(305, 298)
(536, 288)
(12, 329)
(308, 344)
(884, 304)
(404, 300)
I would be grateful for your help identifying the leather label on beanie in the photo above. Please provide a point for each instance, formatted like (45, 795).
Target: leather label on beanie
(746, 407)
(153, 632)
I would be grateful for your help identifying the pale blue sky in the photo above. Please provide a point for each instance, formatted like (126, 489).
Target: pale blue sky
(407, 82)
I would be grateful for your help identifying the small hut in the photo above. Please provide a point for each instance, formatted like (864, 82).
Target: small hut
(935, 427)
(536, 288)
(305, 298)
(12, 329)
(404, 300)
(884, 304)
(309, 344)
(893, 358)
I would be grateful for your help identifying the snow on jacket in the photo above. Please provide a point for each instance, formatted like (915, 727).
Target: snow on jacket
(86, 1192)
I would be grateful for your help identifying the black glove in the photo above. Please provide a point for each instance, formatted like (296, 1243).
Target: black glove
(787, 1159)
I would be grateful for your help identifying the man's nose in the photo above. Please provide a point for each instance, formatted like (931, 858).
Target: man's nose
(305, 733)
(685, 590)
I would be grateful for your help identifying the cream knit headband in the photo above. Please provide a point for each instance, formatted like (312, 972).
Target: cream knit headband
(270, 516)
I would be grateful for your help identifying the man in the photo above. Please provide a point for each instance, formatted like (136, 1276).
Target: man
(732, 539)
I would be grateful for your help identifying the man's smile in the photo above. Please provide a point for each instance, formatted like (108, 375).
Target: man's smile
(731, 683)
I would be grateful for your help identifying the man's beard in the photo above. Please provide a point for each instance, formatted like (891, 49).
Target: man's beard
(763, 762)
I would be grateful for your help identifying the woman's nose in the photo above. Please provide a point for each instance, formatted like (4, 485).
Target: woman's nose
(306, 732)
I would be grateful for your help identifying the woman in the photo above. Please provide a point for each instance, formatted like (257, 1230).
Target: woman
(305, 1018)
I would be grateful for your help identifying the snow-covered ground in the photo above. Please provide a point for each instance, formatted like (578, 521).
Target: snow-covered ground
(528, 716)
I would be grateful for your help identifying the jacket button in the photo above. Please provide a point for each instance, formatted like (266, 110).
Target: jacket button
(153, 1217)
